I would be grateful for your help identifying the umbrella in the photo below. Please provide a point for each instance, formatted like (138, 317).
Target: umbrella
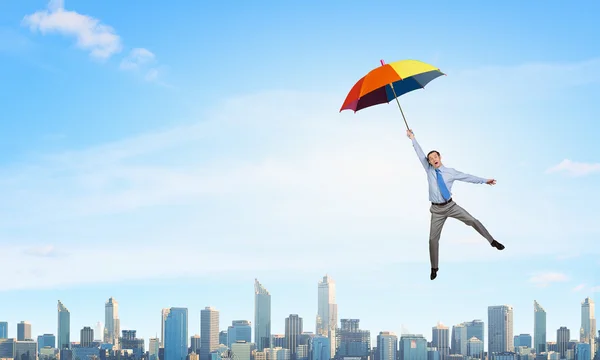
(388, 82)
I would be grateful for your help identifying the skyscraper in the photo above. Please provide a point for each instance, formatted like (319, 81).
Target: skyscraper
(458, 343)
(500, 329)
(98, 332)
(440, 336)
(23, 331)
(86, 337)
(539, 328)
(111, 322)
(327, 311)
(588, 324)
(413, 347)
(475, 328)
(3, 330)
(209, 332)
(163, 316)
(563, 335)
(64, 327)
(387, 346)
(262, 316)
(176, 334)
(293, 328)
(239, 330)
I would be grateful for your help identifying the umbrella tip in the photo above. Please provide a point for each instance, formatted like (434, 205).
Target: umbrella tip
(381, 61)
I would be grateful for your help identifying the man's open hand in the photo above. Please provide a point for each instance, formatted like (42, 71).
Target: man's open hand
(491, 182)
(410, 134)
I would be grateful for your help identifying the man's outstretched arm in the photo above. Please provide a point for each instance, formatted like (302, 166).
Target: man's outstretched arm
(460, 176)
(420, 154)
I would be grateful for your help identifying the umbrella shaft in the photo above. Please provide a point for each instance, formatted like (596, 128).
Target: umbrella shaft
(400, 107)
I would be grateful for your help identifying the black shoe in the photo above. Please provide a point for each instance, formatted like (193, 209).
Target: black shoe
(433, 273)
(497, 245)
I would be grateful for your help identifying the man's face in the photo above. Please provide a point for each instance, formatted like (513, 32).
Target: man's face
(435, 160)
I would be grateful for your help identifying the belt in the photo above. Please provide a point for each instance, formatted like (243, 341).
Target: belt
(444, 203)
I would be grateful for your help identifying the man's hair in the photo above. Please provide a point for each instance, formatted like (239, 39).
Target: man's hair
(431, 152)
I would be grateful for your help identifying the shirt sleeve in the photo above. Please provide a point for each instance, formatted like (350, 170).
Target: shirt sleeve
(420, 154)
(460, 176)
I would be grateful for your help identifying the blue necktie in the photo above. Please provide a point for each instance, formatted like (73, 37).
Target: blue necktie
(442, 185)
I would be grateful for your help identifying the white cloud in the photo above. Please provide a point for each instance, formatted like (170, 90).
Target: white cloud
(595, 288)
(575, 168)
(547, 278)
(136, 58)
(579, 287)
(101, 40)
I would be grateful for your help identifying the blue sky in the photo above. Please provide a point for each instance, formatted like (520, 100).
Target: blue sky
(167, 155)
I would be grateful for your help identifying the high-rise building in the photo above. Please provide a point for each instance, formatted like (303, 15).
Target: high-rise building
(326, 323)
(87, 336)
(500, 329)
(522, 340)
(387, 346)
(413, 347)
(163, 316)
(563, 335)
(475, 328)
(458, 343)
(46, 340)
(153, 348)
(195, 344)
(262, 316)
(588, 324)
(318, 348)
(3, 330)
(539, 328)
(98, 332)
(475, 348)
(23, 331)
(240, 330)
(209, 332)
(64, 327)
(352, 341)
(440, 336)
(176, 334)
(293, 329)
(112, 326)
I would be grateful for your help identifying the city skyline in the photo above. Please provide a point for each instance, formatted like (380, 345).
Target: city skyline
(210, 316)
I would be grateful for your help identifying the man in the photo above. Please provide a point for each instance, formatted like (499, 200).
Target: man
(440, 180)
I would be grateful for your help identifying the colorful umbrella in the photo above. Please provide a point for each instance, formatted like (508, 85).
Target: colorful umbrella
(388, 82)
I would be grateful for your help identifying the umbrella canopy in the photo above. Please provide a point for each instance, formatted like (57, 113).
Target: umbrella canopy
(385, 83)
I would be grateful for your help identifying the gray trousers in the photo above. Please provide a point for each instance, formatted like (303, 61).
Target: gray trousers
(439, 214)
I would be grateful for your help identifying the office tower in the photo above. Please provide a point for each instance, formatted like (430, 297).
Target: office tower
(46, 340)
(129, 341)
(240, 330)
(26, 350)
(588, 324)
(112, 327)
(563, 336)
(262, 316)
(475, 348)
(440, 337)
(209, 332)
(64, 327)
(326, 323)
(3, 330)
(86, 337)
(318, 348)
(458, 343)
(387, 346)
(98, 332)
(293, 328)
(500, 329)
(176, 334)
(539, 328)
(223, 338)
(242, 350)
(475, 328)
(195, 344)
(23, 331)
(163, 316)
(351, 340)
(413, 347)
(522, 340)
(582, 352)
(153, 348)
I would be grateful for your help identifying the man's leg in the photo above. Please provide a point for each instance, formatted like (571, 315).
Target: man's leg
(461, 214)
(438, 218)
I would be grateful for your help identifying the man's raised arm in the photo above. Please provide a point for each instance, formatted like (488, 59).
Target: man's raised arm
(420, 154)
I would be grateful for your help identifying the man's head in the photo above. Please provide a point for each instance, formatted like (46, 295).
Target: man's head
(434, 158)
